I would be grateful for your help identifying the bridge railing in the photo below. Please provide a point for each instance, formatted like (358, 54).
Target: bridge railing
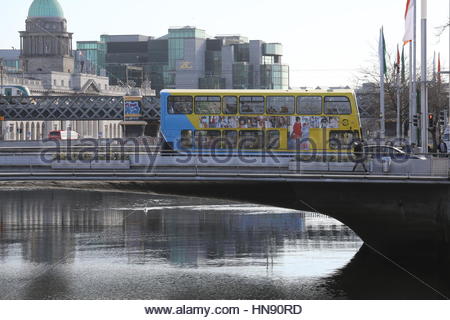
(149, 158)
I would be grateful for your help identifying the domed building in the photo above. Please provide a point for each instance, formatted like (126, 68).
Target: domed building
(48, 68)
(46, 45)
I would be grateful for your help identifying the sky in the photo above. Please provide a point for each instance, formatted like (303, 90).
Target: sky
(326, 42)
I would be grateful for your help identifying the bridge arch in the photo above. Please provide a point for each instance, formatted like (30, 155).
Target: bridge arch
(397, 219)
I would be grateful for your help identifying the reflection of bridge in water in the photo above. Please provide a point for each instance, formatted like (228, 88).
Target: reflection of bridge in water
(52, 225)
(397, 213)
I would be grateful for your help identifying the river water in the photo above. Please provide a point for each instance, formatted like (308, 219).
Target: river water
(73, 244)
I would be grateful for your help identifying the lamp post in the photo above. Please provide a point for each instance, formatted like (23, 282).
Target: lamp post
(1, 76)
(423, 80)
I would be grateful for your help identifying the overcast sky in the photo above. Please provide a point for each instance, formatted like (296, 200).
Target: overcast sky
(326, 42)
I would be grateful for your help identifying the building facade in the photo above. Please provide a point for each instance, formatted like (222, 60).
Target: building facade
(46, 45)
(186, 58)
(90, 57)
(47, 67)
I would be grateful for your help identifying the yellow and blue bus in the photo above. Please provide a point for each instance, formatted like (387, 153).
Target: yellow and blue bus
(279, 121)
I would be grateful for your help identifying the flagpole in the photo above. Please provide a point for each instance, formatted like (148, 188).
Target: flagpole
(382, 70)
(398, 96)
(411, 98)
(423, 80)
(399, 134)
(414, 73)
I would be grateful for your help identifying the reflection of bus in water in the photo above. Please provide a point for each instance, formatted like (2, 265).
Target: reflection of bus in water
(280, 121)
(14, 91)
(63, 135)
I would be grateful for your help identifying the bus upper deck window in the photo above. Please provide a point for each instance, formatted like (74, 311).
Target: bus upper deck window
(180, 105)
(280, 105)
(309, 105)
(207, 105)
(251, 105)
(229, 105)
(337, 105)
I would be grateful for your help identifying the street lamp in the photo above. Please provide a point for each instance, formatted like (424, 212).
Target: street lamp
(1, 76)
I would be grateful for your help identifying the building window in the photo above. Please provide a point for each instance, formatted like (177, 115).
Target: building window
(207, 105)
(180, 105)
(280, 105)
(54, 82)
(62, 83)
(229, 105)
(251, 105)
(309, 105)
(337, 105)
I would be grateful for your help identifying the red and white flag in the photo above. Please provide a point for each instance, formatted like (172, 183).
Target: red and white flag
(409, 21)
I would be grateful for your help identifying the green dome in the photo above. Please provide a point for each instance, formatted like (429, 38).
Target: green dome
(45, 8)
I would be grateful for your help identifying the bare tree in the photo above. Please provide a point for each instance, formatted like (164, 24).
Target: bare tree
(372, 75)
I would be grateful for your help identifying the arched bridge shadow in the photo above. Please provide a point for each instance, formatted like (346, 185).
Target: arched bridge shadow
(398, 219)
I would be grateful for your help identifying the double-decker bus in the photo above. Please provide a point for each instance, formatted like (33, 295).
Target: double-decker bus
(279, 121)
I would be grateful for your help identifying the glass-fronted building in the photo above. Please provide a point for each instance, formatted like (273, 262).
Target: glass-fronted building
(91, 57)
(186, 58)
(10, 59)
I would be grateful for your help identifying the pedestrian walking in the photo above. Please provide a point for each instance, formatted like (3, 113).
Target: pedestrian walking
(358, 155)
(443, 149)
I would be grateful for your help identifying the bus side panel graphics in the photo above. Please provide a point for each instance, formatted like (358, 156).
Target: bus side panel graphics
(300, 129)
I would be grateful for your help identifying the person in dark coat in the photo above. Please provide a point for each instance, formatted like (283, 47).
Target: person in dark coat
(443, 147)
(358, 155)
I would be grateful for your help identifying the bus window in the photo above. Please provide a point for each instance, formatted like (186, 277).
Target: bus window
(273, 139)
(186, 139)
(207, 105)
(309, 105)
(230, 139)
(251, 139)
(229, 105)
(180, 105)
(207, 139)
(343, 139)
(337, 105)
(280, 105)
(251, 105)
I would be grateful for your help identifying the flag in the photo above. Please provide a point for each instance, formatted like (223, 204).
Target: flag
(409, 21)
(382, 53)
(403, 65)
